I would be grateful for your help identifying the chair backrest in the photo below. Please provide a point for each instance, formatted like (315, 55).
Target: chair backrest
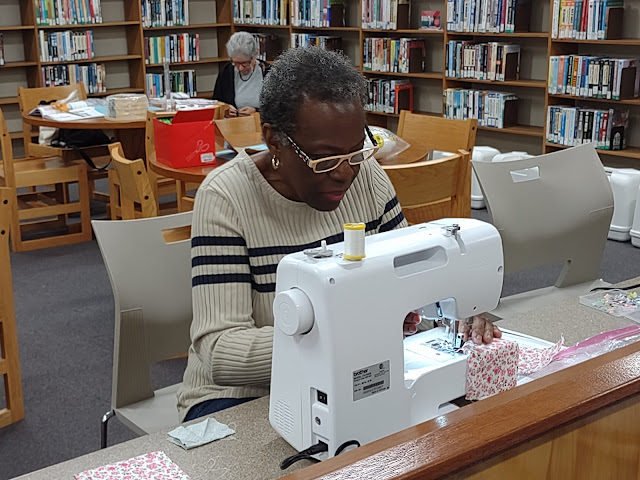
(551, 208)
(7, 153)
(9, 361)
(134, 182)
(428, 132)
(30, 98)
(240, 132)
(434, 189)
(149, 264)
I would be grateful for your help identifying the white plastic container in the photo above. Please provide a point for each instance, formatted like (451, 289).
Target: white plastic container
(625, 183)
(635, 228)
(480, 154)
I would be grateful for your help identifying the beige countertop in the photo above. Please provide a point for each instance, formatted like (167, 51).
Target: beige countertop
(256, 450)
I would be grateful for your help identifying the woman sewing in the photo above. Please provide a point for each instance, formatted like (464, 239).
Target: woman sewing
(316, 175)
(240, 82)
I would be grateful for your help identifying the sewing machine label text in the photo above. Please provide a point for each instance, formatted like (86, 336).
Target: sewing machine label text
(371, 380)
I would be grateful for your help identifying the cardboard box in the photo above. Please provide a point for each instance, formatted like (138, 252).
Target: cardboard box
(189, 141)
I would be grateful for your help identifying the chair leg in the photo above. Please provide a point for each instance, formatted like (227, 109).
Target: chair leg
(103, 428)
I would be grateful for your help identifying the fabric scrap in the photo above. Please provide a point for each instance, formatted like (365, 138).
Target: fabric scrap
(150, 466)
(491, 368)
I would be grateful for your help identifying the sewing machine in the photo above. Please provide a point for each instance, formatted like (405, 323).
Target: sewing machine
(341, 369)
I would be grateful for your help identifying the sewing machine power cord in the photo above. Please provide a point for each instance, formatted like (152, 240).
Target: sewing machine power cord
(314, 450)
(615, 288)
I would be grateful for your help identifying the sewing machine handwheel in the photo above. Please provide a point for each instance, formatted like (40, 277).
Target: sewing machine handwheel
(293, 312)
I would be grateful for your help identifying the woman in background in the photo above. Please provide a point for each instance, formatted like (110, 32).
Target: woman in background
(240, 82)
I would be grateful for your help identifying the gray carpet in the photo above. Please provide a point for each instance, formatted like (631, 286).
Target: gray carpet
(64, 310)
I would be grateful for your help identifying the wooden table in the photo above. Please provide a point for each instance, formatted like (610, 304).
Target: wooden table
(453, 442)
(129, 133)
(187, 175)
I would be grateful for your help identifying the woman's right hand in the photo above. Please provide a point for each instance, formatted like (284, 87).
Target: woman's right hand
(232, 112)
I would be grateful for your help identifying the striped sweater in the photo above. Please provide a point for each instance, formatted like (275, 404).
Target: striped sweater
(242, 227)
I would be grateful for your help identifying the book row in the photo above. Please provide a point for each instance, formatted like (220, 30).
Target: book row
(594, 77)
(176, 48)
(66, 46)
(67, 12)
(92, 75)
(583, 19)
(179, 81)
(389, 96)
(401, 55)
(310, 13)
(491, 109)
(260, 12)
(573, 126)
(385, 14)
(490, 16)
(165, 13)
(483, 61)
(311, 40)
(1, 50)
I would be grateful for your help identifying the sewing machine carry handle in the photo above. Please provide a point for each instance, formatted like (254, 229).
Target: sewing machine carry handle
(293, 312)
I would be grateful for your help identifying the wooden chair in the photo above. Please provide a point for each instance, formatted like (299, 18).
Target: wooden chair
(129, 187)
(41, 198)
(239, 132)
(30, 98)
(430, 190)
(426, 133)
(9, 361)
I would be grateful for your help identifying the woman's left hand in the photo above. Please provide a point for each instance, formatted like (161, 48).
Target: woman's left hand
(480, 331)
(410, 325)
(246, 111)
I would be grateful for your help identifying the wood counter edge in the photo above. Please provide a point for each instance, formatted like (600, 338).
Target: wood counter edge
(486, 428)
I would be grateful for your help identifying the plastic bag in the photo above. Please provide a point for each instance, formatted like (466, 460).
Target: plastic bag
(390, 144)
(590, 348)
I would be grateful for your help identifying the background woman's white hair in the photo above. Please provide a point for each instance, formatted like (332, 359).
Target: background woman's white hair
(242, 44)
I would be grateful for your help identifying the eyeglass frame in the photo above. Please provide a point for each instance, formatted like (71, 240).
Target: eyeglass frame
(242, 64)
(311, 163)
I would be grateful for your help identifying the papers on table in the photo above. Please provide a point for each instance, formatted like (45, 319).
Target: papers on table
(68, 112)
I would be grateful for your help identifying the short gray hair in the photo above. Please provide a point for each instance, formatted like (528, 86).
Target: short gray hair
(310, 73)
(242, 43)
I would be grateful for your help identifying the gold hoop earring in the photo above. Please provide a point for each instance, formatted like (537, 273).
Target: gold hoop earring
(275, 163)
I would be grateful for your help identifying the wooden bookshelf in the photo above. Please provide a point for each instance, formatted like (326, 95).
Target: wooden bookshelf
(120, 40)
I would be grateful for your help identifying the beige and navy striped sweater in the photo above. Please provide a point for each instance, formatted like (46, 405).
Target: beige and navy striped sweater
(242, 227)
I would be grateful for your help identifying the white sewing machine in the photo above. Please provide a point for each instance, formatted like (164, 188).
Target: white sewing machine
(341, 370)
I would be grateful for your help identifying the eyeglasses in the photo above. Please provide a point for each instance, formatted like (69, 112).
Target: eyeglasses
(326, 164)
(241, 64)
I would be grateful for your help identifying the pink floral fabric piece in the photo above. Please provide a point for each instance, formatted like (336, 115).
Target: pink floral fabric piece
(151, 466)
(491, 368)
(533, 359)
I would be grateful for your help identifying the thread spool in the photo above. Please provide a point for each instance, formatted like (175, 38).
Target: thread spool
(353, 241)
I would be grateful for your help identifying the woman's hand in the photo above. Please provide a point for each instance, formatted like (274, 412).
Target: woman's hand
(246, 111)
(480, 331)
(232, 111)
(411, 322)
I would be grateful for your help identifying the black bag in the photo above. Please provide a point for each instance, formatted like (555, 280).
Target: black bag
(77, 139)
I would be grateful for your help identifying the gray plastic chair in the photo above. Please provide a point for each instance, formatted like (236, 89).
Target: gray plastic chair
(149, 265)
(548, 209)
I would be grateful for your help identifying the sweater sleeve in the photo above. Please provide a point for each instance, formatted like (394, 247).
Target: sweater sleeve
(223, 332)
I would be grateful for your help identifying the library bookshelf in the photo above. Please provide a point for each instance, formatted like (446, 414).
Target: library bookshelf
(119, 44)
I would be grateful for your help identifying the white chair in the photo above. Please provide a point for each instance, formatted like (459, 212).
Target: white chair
(149, 265)
(548, 209)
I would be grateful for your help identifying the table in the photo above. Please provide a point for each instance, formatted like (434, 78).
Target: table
(188, 174)
(129, 133)
(256, 450)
